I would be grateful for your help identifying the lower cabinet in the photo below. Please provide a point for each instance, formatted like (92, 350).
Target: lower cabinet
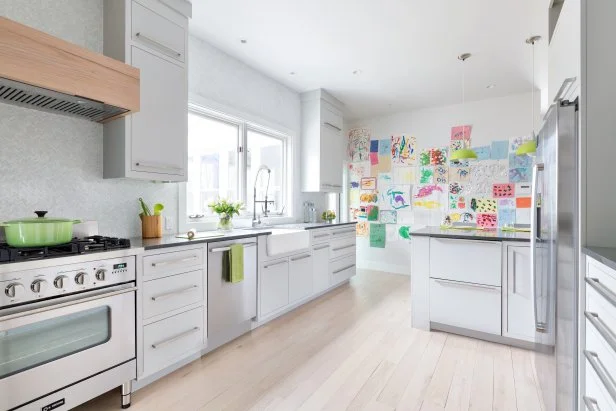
(342, 269)
(274, 286)
(520, 321)
(320, 266)
(300, 277)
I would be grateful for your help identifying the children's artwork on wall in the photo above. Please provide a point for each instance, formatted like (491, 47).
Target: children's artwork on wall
(370, 197)
(374, 159)
(385, 147)
(505, 190)
(441, 174)
(506, 217)
(378, 233)
(506, 203)
(431, 197)
(373, 213)
(362, 229)
(438, 156)
(354, 184)
(519, 175)
(500, 171)
(384, 180)
(457, 202)
(358, 170)
(358, 144)
(403, 150)
(382, 165)
(354, 197)
(516, 142)
(523, 189)
(522, 215)
(404, 175)
(483, 152)
(460, 174)
(389, 216)
(426, 175)
(355, 213)
(399, 197)
(516, 161)
(405, 232)
(499, 150)
(374, 146)
(424, 157)
(486, 205)
(461, 133)
(523, 202)
(368, 183)
(455, 188)
(486, 220)
(426, 190)
(480, 181)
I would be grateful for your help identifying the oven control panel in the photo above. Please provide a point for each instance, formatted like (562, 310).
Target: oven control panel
(31, 285)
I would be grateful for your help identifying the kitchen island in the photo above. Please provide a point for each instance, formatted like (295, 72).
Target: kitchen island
(473, 282)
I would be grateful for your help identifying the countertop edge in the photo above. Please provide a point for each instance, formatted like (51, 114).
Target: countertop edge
(182, 242)
(330, 225)
(471, 236)
(595, 253)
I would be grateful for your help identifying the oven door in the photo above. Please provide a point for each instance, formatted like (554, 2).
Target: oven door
(51, 347)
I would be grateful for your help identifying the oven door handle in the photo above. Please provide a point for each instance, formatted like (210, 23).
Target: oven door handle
(67, 304)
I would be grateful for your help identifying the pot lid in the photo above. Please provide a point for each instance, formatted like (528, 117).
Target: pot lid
(41, 219)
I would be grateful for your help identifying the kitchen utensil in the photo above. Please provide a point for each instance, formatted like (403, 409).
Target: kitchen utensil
(158, 208)
(144, 207)
(38, 231)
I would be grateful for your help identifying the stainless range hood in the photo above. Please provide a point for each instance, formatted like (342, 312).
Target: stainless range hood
(43, 72)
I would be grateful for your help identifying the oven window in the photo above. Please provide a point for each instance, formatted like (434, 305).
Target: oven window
(35, 344)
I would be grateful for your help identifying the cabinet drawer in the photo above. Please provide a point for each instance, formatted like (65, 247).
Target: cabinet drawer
(274, 286)
(157, 33)
(341, 247)
(170, 293)
(342, 269)
(166, 342)
(331, 118)
(319, 236)
(601, 340)
(176, 262)
(468, 261)
(596, 389)
(465, 305)
(345, 231)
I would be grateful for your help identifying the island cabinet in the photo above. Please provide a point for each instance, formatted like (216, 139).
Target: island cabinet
(479, 288)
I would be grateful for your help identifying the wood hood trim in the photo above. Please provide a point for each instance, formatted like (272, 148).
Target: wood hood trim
(41, 60)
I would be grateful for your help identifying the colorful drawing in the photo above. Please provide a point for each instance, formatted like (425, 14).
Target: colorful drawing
(523, 189)
(384, 179)
(404, 175)
(519, 175)
(506, 217)
(506, 203)
(358, 144)
(354, 196)
(399, 197)
(483, 152)
(377, 235)
(385, 147)
(362, 229)
(358, 170)
(461, 132)
(457, 202)
(523, 202)
(486, 205)
(427, 204)
(516, 161)
(441, 174)
(354, 184)
(374, 146)
(427, 190)
(424, 158)
(426, 175)
(505, 190)
(459, 174)
(438, 156)
(389, 216)
(368, 183)
(403, 150)
(354, 213)
(369, 198)
(486, 220)
(499, 150)
(455, 188)
(467, 217)
(373, 213)
(405, 232)
(455, 145)
(374, 158)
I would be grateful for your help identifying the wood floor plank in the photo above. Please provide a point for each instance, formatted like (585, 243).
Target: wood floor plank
(459, 395)
(482, 387)
(525, 387)
(504, 385)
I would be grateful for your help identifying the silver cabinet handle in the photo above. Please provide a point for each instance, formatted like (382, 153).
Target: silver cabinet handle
(171, 293)
(513, 270)
(327, 123)
(456, 240)
(301, 257)
(273, 264)
(321, 235)
(602, 373)
(343, 248)
(564, 87)
(162, 47)
(178, 261)
(344, 232)
(467, 285)
(603, 290)
(602, 328)
(591, 404)
(541, 327)
(321, 248)
(221, 249)
(343, 269)
(158, 166)
(175, 338)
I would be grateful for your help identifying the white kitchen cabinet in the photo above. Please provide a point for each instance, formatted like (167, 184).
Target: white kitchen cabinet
(300, 277)
(564, 53)
(151, 144)
(274, 286)
(322, 141)
(320, 263)
(520, 322)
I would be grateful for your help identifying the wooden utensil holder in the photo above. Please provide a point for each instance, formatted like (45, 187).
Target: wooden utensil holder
(151, 226)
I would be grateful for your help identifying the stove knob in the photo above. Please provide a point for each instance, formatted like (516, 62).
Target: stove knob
(60, 281)
(38, 286)
(15, 290)
(101, 274)
(82, 278)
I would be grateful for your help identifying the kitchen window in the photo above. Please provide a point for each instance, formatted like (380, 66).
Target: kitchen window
(224, 154)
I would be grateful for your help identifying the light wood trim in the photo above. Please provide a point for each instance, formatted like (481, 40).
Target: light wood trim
(39, 59)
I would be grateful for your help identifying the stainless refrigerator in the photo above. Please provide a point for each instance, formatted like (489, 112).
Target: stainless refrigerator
(554, 256)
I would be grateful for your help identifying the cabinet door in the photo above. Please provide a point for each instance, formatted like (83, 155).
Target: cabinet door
(331, 159)
(159, 130)
(564, 53)
(320, 268)
(274, 286)
(300, 277)
(520, 317)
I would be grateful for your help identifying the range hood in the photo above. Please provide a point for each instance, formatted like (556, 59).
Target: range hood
(46, 73)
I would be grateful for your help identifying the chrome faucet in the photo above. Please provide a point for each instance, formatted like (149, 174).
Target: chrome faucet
(256, 220)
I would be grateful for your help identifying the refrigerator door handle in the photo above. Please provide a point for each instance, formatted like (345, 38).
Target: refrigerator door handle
(535, 235)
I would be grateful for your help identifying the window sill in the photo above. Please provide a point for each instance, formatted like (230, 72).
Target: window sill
(211, 222)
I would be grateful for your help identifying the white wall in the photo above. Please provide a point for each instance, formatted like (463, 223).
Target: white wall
(493, 119)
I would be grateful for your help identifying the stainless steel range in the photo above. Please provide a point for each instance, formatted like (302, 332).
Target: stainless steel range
(67, 329)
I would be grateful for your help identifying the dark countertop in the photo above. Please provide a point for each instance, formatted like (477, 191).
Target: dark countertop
(605, 255)
(311, 226)
(486, 235)
(173, 241)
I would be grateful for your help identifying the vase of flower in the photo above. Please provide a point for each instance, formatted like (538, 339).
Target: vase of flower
(328, 216)
(225, 210)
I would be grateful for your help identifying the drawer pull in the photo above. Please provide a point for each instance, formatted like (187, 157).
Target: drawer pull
(221, 249)
(468, 285)
(344, 232)
(343, 248)
(172, 293)
(158, 166)
(175, 338)
(301, 257)
(456, 240)
(343, 269)
(162, 47)
(602, 328)
(273, 264)
(603, 290)
(178, 261)
(321, 235)
(335, 127)
(321, 248)
(602, 373)
(591, 404)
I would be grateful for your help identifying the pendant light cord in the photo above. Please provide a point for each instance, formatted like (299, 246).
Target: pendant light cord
(532, 113)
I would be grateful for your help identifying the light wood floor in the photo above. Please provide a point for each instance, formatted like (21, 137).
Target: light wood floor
(352, 349)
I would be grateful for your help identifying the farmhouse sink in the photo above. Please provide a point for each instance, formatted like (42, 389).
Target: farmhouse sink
(284, 241)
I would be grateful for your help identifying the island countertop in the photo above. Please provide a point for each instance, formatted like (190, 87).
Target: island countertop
(605, 255)
(486, 235)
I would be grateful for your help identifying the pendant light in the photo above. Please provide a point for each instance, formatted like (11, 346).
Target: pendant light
(463, 153)
(530, 147)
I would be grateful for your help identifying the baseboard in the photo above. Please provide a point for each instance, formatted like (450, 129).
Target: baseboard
(387, 267)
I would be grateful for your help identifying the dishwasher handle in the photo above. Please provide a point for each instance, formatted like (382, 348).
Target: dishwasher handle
(222, 249)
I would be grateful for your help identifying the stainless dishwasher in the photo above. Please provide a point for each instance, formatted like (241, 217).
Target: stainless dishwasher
(230, 306)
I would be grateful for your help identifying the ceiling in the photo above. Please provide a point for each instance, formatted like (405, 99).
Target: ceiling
(406, 50)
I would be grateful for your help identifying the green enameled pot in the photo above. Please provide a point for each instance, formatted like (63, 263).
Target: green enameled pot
(38, 231)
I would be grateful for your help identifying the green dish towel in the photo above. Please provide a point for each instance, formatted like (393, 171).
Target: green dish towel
(235, 272)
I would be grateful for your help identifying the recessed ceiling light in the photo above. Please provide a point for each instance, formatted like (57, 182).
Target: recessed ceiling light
(357, 72)
(292, 73)
(243, 41)
(490, 86)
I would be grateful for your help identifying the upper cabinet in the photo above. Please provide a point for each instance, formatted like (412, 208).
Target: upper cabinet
(322, 148)
(151, 35)
(564, 61)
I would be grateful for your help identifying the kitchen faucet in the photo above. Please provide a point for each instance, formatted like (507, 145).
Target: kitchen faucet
(256, 221)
